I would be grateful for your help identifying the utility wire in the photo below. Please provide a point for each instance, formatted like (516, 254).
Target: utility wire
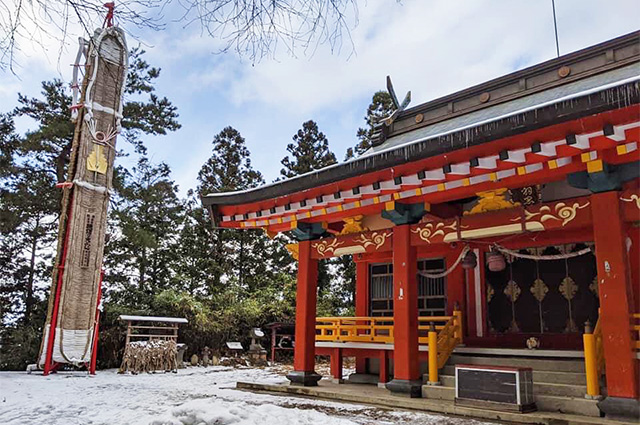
(555, 26)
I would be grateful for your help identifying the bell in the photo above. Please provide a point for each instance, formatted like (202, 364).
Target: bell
(470, 261)
(495, 261)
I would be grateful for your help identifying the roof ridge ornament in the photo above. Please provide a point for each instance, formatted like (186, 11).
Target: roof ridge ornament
(381, 128)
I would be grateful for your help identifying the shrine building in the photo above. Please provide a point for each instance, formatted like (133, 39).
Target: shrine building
(498, 225)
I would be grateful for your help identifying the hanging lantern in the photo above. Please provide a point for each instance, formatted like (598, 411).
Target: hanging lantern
(495, 261)
(470, 261)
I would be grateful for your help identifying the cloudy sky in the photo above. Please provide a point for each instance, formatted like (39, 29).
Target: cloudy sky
(430, 47)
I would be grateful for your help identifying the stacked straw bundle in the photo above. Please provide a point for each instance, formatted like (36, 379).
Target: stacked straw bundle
(149, 356)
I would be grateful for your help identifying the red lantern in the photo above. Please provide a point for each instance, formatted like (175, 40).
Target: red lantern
(495, 261)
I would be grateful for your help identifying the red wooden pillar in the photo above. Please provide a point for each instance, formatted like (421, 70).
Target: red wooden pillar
(336, 364)
(384, 367)
(362, 304)
(616, 300)
(306, 296)
(455, 283)
(406, 380)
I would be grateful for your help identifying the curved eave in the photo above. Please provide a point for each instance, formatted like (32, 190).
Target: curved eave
(615, 96)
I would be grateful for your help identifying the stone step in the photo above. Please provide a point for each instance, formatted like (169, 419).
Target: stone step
(547, 403)
(539, 376)
(562, 390)
(575, 405)
(438, 392)
(552, 364)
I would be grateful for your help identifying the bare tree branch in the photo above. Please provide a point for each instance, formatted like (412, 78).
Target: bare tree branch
(254, 29)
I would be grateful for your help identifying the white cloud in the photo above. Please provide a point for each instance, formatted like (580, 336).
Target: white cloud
(431, 47)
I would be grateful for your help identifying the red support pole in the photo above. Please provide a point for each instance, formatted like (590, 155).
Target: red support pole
(48, 362)
(362, 304)
(306, 297)
(616, 298)
(406, 380)
(336, 364)
(384, 367)
(94, 349)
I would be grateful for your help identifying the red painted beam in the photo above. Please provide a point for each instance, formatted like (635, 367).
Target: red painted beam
(559, 131)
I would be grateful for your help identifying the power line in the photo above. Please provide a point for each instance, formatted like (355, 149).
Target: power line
(555, 26)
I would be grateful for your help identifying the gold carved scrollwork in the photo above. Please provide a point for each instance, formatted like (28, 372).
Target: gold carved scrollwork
(491, 200)
(561, 211)
(568, 289)
(353, 225)
(293, 250)
(490, 292)
(539, 289)
(325, 247)
(377, 239)
(428, 231)
(512, 291)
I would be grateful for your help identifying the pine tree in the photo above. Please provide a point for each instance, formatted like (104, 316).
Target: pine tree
(381, 106)
(310, 151)
(144, 222)
(229, 167)
(200, 265)
(246, 257)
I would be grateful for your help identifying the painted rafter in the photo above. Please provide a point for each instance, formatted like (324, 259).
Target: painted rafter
(545, 157)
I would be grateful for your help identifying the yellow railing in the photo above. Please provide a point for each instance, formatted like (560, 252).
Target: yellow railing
(597, 333)
(636, 329)
(355, 329)
(445, 332)
(593, 358)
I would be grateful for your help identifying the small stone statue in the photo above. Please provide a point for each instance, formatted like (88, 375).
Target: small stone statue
(194, 360)
(206, 351)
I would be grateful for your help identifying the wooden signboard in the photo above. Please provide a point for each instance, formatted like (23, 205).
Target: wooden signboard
(495, 387)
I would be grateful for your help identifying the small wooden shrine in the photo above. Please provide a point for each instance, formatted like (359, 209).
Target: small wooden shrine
(501, 217)
(151, 343)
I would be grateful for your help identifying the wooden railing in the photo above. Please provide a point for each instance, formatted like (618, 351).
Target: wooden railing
(597, 333)
(380, 330)
(355, 329)
(449, 330)
(593, 358)
(636, 329)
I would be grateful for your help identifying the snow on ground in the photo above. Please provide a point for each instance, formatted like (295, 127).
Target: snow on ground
(193, 396)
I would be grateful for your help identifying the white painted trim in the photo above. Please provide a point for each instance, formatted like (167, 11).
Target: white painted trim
(478, 297)
(518, 397)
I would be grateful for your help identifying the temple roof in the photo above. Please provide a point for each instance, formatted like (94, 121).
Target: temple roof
(594, 80)
(576, 89)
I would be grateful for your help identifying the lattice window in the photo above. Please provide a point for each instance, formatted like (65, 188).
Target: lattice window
(381, 290)
(432, 293)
